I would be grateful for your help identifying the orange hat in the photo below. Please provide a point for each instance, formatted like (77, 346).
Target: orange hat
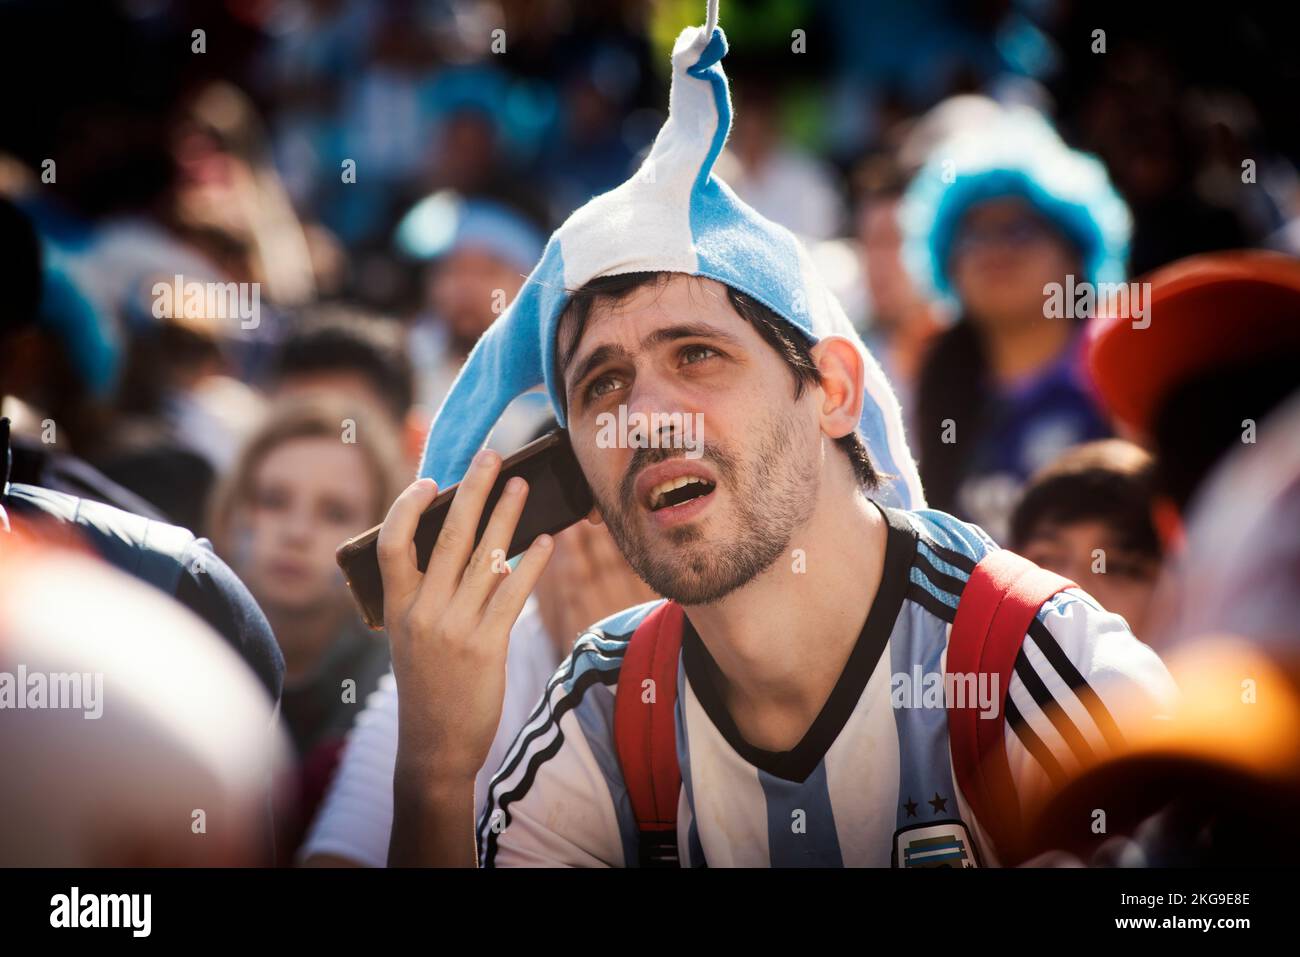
(1204, 312)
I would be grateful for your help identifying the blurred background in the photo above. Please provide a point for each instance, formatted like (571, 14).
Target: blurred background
(405, 160)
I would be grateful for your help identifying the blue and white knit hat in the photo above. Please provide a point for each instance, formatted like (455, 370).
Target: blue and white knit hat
(1017, 155)
(673, 215)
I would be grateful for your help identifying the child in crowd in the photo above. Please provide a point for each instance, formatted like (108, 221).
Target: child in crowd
(1087, 516)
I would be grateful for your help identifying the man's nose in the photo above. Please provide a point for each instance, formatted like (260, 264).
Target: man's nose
(657, 397)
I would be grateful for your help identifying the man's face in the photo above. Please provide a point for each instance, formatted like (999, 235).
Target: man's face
(753, 476)
(467, 288)
(891, 289)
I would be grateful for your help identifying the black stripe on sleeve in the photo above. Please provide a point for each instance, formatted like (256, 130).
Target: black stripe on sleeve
(570, 701)
(931, 604)
(944, 582)
(1049, 706)
(956, 559)
(1060, 661)
(561, 676)
(1034, 744)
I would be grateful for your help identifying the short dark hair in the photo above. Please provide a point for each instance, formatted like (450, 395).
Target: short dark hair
(339, 339)
(1110, 481)
(788, 342)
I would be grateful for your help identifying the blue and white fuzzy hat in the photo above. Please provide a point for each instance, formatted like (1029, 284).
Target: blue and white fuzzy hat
(1017, 155)
(673, 215)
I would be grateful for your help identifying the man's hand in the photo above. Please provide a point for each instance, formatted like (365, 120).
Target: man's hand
(448, 630)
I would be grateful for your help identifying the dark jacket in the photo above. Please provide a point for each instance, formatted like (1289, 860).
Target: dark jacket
(166, 556)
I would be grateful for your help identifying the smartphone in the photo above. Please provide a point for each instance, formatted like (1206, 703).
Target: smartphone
(558, 496)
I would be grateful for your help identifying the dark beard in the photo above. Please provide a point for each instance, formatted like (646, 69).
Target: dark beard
(772, 498)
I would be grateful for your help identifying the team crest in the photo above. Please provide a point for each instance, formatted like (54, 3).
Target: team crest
(945, 844)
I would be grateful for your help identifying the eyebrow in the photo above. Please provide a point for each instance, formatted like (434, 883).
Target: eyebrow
(598, 357)
(682, 330)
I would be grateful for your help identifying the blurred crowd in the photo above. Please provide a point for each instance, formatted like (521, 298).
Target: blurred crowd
(247, 246)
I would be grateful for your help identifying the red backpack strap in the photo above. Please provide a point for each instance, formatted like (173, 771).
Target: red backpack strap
(1001, 599)
(645, 732)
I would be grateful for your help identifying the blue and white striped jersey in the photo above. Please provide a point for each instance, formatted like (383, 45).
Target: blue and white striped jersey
(871, 783)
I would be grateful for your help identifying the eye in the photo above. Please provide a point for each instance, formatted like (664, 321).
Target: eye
(1130, 567)
(337, 513)
(690, 355)
(602, 386)
(271, 498)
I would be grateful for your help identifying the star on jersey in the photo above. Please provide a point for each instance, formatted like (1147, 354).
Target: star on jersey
(939, 803)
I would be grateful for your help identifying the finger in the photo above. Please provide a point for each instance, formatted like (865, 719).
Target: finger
(456, 538)
(507, 601)
(487, 567)
(396, 544)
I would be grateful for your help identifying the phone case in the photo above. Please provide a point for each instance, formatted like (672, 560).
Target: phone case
(558, 496)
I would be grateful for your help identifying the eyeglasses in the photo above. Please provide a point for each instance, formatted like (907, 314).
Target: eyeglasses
(1018, 233)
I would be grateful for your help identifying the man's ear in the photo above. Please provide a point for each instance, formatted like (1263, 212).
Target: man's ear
(842, 371)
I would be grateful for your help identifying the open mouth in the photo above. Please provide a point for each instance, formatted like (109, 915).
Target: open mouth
(679, 491)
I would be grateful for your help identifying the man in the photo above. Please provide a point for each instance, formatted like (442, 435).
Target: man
(1210, 383)
(478, 249)
(807, 594)
(340, 350)
(344, 351)
(1197, 379)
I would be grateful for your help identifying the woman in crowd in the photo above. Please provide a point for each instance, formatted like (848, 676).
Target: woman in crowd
(1011, 223)
(314, 474)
